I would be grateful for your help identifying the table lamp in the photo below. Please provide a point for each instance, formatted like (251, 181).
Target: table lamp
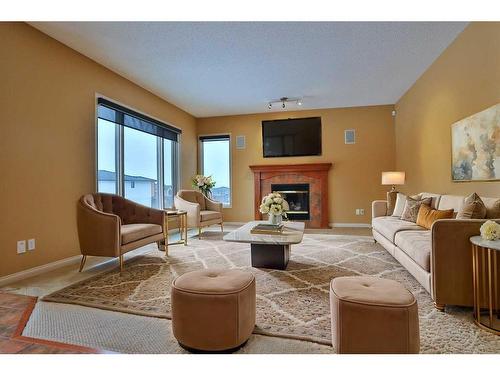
(392, 178)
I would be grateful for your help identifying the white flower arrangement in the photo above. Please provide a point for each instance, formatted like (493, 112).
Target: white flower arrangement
(203, 183)
(490, 231)
(274, 204)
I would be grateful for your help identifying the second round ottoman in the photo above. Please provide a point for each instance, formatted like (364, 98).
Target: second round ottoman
(213, 310)
(373, 315)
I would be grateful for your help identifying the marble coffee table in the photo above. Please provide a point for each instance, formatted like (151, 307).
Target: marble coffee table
(269, 250)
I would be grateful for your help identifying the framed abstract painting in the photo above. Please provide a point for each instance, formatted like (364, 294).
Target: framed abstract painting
(475, 147)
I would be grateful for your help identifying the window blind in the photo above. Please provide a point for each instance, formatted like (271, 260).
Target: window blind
(118, 114)
(208, 138)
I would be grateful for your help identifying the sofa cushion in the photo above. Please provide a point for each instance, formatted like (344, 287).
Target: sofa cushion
(451, 201)
(472, 208)
(399, 205)
(388, 226)
(134, 232)
(210, 215)
(417, 244)
(492, 207)
(435, 199)
(410, 213)
(427, 216)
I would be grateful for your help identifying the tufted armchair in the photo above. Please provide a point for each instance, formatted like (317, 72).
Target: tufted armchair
(110, 226)
(201, 211)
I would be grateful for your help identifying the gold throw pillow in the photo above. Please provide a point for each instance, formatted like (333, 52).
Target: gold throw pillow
(427, 216)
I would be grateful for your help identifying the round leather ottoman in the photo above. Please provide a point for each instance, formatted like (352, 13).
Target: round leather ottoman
(373, 315)
(213, 310)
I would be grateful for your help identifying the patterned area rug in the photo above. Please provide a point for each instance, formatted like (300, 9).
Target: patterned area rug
(292, 303)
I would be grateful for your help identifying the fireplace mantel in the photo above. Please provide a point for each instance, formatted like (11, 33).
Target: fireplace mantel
(292, 167)
(315, 174)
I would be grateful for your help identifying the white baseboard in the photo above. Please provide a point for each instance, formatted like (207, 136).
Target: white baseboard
(35, 271)
(350, 225)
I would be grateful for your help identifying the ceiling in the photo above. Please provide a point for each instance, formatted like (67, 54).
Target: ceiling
(223, 68)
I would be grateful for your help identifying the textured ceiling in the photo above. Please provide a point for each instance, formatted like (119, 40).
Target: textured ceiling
(222, 68)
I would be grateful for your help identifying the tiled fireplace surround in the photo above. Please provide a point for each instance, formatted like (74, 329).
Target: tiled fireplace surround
(316, 175)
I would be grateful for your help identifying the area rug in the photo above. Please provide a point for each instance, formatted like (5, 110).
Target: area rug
(293, 303)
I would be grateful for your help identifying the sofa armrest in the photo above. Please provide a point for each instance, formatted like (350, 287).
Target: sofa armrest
(213, 205)
(98, 232)
(451, 260)
(379, 208)
(192, 209)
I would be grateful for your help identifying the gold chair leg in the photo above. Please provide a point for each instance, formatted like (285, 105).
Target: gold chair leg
(121, 263)
(184, 220)
(82, 262)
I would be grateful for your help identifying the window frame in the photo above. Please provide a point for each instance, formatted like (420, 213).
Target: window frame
(201, 164)
(120, 155)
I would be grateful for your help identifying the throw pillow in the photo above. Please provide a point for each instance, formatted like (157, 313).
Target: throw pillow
(427, 216)
(473, 208)
(391, 202)
(493, 210)
(400, 205)
(410, 212)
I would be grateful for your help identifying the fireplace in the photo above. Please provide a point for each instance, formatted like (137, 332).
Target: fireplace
(297, 196)
(304, 185)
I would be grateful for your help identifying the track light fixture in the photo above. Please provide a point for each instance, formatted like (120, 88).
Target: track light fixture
(284, 101)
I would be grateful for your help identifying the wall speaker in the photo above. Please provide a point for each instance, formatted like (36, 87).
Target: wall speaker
(350, 136)
(240, 142)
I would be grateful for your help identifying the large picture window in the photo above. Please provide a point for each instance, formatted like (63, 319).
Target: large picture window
(215, 152)
(136, 156)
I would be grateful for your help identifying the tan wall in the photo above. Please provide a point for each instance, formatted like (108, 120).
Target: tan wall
(47, 141)
(354, 180)
(464, 80)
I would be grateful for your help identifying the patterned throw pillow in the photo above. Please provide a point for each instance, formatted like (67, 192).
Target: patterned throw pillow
(473, 208)
(410, 212)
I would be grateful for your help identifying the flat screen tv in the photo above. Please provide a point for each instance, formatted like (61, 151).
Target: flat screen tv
(291, 137)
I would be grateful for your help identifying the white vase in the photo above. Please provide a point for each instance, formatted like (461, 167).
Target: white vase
(275, 219)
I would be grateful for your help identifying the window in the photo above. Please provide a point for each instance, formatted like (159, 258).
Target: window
(215, 152)
(106, 157)
(140, 163)
(136, 156)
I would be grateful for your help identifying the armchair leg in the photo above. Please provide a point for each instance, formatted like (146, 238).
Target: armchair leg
(199, 232)
(121, 263)
(82, 262)
(222, 227)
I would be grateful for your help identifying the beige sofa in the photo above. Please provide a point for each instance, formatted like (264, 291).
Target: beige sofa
(439, 258)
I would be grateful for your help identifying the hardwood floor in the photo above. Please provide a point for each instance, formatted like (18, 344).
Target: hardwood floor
(15, 311)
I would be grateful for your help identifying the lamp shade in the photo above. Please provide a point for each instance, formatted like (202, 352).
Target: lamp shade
(393, 178)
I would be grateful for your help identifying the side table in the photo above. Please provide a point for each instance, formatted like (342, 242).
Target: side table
(181, 216)
(485, 283)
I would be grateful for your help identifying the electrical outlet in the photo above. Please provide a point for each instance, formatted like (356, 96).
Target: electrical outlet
(31, 244)
(21, 247)
(360, 211)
